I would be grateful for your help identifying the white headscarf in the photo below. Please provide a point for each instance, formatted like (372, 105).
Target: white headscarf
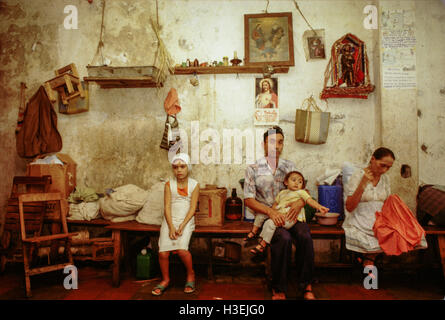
(184, 157)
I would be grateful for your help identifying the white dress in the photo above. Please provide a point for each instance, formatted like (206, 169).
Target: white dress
(358, 224)
(180, 206)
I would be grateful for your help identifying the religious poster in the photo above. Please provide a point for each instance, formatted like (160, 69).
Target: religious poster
(266, 101)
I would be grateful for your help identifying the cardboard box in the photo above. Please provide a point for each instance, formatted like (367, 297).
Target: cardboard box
(211, 206)
(63, 177)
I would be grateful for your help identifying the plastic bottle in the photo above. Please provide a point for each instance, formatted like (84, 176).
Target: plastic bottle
(145, 261)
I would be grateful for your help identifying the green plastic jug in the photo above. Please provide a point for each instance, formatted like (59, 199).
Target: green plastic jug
(145, 264)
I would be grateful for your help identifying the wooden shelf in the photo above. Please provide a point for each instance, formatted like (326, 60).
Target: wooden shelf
(123, 77)
(228, 69)
(118, 82)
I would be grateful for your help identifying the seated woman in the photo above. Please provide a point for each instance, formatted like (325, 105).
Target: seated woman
(373, 216)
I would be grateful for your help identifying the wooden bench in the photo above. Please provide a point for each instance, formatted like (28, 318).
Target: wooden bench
(236, 229)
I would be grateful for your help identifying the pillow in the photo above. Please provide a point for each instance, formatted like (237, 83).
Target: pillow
(347, 171)
(153, 210)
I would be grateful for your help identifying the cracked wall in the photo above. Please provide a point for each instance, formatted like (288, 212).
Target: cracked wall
(117, 141)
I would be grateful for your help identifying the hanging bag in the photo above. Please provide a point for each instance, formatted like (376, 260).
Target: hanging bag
(171, 133)
(311, 126)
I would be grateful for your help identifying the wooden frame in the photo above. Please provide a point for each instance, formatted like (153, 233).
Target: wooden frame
(268, 39)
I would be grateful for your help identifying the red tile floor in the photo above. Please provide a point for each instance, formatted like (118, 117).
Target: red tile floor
(230, 283)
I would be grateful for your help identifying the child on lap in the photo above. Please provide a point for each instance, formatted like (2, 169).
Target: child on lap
(294, 181)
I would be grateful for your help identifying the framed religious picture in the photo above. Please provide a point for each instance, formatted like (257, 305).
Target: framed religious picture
(266, 101)
(313, 43)
(268, 39)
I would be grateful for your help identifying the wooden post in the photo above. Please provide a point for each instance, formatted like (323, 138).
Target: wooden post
(210, 266)
(116, 257)
(441, 243)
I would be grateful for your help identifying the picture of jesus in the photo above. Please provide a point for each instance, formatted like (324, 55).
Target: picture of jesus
(265, 95)
(266, 101)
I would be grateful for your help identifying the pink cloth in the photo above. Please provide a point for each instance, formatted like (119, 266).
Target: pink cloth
(396, 228)
(171, 103)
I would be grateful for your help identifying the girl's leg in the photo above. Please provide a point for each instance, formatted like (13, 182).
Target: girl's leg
(164, 265)
(186, 258)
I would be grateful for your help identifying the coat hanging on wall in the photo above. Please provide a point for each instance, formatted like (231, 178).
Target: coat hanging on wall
(39, 134)
(347, 70)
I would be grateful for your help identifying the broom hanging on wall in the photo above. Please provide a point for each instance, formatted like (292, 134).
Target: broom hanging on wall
(163, 60)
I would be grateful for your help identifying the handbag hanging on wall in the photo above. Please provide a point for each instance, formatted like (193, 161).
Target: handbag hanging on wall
(311, 126)
(171, 133)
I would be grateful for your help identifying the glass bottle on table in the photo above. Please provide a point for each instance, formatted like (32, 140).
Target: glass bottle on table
(234, 207)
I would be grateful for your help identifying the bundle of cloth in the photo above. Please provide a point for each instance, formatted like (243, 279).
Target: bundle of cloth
(123, 203)
(84, 204)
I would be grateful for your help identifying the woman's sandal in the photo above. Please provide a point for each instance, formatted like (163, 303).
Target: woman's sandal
(306, 298)
(191, 285)
(161, 289)
(259, 249)
(361, 259)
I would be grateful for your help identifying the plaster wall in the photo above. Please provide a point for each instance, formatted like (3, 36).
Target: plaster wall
(117, 141)
(430, 96)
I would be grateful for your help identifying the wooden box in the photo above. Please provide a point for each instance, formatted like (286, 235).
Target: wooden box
(211, 206)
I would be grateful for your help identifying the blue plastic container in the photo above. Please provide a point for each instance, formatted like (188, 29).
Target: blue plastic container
(332, 198)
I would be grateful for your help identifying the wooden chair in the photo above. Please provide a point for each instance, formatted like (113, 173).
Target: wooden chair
(67, 83)
(33, 223)
(9, 245)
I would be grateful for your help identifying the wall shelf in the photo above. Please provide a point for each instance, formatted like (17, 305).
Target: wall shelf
(226, 69)
(123, 77)
(119, 82)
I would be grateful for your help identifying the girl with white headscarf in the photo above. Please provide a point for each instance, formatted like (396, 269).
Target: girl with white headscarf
(180, 202)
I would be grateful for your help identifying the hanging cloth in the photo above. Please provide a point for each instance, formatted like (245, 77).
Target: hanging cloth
(38, 134)
(171, 103)
(396, 228)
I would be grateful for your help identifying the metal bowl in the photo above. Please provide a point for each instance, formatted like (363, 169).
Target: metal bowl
(327, 219)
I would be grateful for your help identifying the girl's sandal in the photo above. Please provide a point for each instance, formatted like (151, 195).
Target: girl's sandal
(158, 290)
(191, 285)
